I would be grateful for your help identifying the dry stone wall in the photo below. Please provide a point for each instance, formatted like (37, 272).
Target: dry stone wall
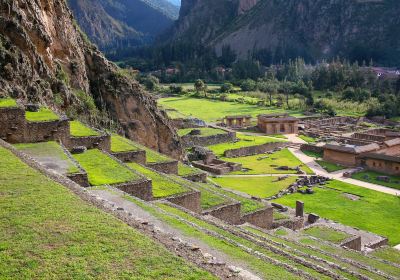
(47, 131)
(353, 243)
(261, 218)
(102, 142)
(198, 140)
(12, 123)
(170, 167)
(190, 201)
(132, 156)
(141, 189)
(311, 148)
(229, 213)
(254, 150)
(199, 177)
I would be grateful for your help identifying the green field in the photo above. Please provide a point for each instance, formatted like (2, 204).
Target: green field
(327, 234)
(244, 141)
(46, 232)
(7, 103)
(308, 139)
(205, 131)
(374, 211)
(330, 167)
(267, 164)
(103, 170)
(388, 253)
(162, 185)
(78, 129)
(51, 151)
(122, 144)
(213, 110)
(43, 115)
(393, 183)
(262, 187)
(185, 170)
(151, 155)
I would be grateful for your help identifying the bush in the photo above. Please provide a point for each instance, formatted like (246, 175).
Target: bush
(248, 85)
(227, 88)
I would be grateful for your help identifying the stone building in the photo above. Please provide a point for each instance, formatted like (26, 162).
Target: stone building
(347, 155)
(238, 121)
(278, 124)
(382, 163)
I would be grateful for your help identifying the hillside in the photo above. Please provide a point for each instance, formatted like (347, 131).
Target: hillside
(112, 24)
(275, 30)
(46, 59)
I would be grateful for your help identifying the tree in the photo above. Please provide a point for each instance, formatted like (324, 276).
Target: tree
(287, 88)
(150, 82)
(200, 86)
(269, 87)
(227, 87)
(248, 85)
(174, 89)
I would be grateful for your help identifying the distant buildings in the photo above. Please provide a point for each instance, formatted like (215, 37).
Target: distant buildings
(278, 124)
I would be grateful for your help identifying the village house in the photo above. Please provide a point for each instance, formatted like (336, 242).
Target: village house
(347, 155)
(278, 124)
(238, 121)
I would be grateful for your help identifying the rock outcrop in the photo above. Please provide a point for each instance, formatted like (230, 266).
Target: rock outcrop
(45, 58)
(314, 29)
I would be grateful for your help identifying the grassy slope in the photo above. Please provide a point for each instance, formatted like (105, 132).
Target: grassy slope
(78, 129)
(262, 187)
(327, 234)
(103, 170)
(389, 254)
(162, 186)
(330, 167)
(44, 114)
(394, 180)
(48, 149)
(308, 139)
(122, 144)
(263, 166)
(212, 110)
(185, 170)
(7, 103)
(47, 232)
(374, 211)
(244, 141)
(205, 131)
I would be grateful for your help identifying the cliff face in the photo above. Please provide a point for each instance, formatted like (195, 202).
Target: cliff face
(111, 24)
(44, 58)
(314, 29)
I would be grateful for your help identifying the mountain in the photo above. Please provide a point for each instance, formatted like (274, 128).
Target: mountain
(44, 58)
(111, 24)
(274, 30)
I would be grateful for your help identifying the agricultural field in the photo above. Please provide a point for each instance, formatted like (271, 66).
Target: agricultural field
(185, 170)
(43, 115)
(122, 144)
(78, 129)
(47, 231)
(327, 234)
(371, 177)
(373, 211)
(269, 164)
(262, 187)
(7, 103)
(213, 110)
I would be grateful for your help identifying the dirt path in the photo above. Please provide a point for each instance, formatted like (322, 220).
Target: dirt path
(338, 175)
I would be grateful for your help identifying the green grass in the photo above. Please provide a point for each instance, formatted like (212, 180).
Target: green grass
(393, 183)
(49, 150)
(313, 154)
(374, 211)
(185, 170)
(212, 110)
(244, 141)
(163, 186)
(248, 205)
(330, 167)
(7, 103)
(388, 253)
(280, 136)
(279, 216)
(327, 234)
(121, 144)
(268, 163)
(151, 155)
(262, 187)
(48, 232)
(78, 129)
(205, 131)
(308, 139)
(103, 170)
(43, 115)
(281, 232)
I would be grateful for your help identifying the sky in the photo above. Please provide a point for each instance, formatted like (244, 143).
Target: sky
(175, 2)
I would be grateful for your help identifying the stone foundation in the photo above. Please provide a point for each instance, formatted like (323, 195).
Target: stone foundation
(133, 156)
(190, 201)
(254, 150)
(382, 242)
(170, 167)
(102, 142)
(200, 177)
(141, 189)
(311, 148)
(194, 140)
(353, 243)
(80, 178)
(47, 131)
(229, 213)
(293, 224)
(217, 166)
(12, 123)
(261, 218)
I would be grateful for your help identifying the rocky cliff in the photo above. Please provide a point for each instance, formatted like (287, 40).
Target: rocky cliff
(45, 58)
(314, 29)
(123, 23)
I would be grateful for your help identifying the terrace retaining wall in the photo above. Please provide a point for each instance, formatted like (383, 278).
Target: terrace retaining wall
(199, 177)
(229, 213)
(262, 218)
(353, 243)
(254, 150)
(12, 123)
(293, 223)
(57, 130)
(102, 142)
(80, 178)
(311, 148)
(382, 242)
(141, 189)
(190, 201)
(132, 156)
(198, 140)
(170, 167)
